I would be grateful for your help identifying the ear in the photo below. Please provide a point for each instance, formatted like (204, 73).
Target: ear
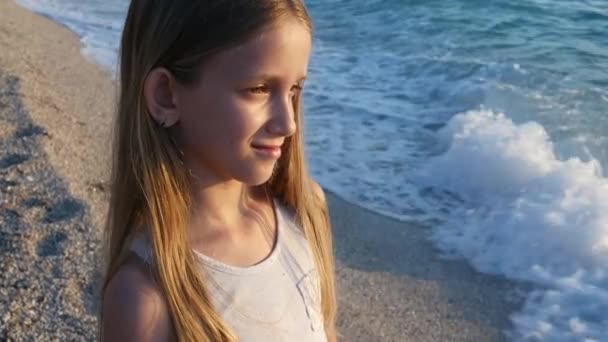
(160, 93)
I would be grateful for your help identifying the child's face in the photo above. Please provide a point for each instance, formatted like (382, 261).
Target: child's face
(244, 100)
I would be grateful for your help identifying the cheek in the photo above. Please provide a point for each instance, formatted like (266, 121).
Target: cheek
(220, 122)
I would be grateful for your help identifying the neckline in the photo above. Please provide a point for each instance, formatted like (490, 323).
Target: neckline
(260, 266)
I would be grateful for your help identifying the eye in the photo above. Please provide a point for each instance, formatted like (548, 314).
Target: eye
(261, 89)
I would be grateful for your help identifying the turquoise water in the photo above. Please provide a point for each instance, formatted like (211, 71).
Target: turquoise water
(486, 121)
(418, 63)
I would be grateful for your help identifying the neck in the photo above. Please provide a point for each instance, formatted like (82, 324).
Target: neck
(223, 202)
(219, 202)
(222, 205)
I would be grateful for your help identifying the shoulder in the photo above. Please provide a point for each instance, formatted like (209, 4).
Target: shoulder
(318, 191)
(134, 308)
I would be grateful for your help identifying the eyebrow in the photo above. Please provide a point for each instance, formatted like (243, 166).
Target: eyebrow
(274, 78)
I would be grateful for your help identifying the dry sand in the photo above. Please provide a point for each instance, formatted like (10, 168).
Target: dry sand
(55, 113)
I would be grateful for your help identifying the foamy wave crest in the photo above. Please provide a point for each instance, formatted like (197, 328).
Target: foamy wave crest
(529, 216)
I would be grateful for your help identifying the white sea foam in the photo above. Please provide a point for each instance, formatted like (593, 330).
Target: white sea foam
(527, 215)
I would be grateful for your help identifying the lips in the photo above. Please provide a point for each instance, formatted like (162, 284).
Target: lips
(268, 150)
(266, 146)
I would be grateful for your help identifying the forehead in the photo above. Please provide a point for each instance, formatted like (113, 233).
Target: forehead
(282, 50)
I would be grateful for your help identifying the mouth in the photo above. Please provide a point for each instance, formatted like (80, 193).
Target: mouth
(272, 151)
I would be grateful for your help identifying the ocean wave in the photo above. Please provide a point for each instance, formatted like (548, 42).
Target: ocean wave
(527, 215)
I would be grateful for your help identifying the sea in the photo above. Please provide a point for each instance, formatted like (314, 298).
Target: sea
(486, 122)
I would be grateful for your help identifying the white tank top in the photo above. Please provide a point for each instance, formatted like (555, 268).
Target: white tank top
(278, 299)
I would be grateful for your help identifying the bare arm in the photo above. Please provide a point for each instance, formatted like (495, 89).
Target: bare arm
(134, 309)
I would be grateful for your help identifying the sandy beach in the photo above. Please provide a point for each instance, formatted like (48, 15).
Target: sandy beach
(56, 108)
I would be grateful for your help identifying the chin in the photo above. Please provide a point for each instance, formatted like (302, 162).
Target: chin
(257, 176)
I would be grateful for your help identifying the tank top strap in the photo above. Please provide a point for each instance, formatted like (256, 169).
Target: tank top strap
(141, 247)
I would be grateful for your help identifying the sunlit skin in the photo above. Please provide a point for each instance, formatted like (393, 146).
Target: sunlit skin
(243, 99)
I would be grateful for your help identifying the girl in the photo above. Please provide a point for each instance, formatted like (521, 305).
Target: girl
(215, 230)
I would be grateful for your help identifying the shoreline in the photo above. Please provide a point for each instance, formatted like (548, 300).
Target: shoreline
(392, 284)
(417, 295)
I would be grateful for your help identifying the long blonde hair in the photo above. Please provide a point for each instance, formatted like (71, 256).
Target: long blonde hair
(149, 183)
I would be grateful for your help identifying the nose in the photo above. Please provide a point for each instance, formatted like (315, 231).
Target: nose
(283, 121)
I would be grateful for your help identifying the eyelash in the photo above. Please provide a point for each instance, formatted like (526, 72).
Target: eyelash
(263, 89)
